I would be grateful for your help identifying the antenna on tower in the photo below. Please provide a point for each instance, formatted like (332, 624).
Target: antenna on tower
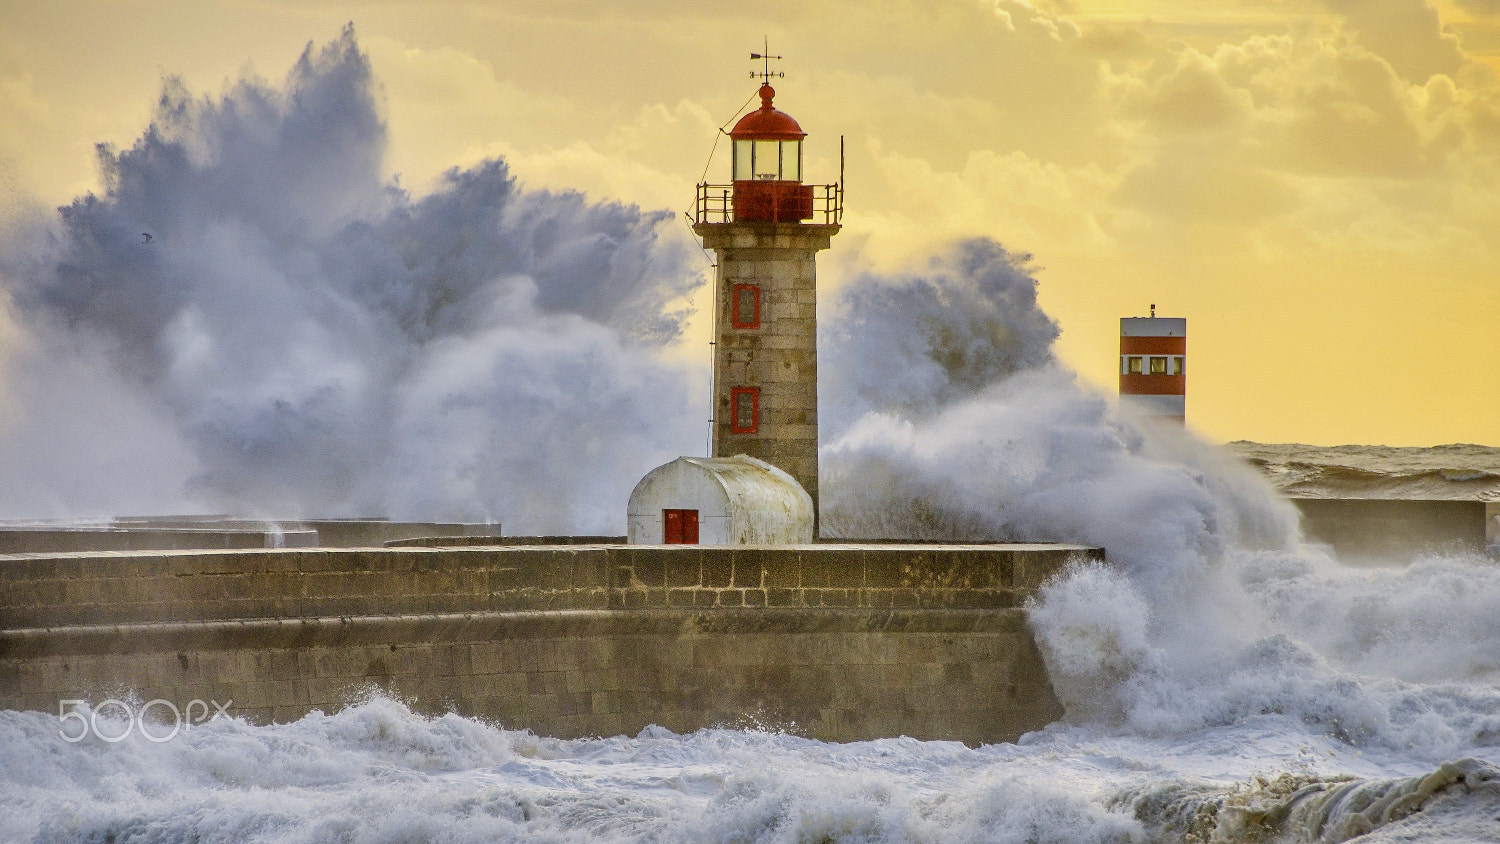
(766, 74)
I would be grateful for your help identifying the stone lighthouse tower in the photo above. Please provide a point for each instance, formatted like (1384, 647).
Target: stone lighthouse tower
(766, 229)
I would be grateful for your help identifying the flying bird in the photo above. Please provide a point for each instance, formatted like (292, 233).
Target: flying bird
(147, 236)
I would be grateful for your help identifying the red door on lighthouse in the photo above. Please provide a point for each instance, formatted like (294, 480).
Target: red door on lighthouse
(680, 527)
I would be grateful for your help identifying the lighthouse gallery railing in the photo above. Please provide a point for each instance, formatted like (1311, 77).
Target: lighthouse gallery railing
(715, 204)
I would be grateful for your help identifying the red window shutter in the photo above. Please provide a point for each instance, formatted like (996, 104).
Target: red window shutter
(689, 527)
(744, 410)
(745, 306)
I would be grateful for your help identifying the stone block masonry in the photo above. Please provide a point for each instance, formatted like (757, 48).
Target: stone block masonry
(773, 350)
(837, 642)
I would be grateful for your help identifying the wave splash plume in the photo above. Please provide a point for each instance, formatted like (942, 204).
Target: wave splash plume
(303, 338)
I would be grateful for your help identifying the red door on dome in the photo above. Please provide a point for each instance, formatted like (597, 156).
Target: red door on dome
(680, 527)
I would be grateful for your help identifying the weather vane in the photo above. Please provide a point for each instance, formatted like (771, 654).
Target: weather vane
(766, 74)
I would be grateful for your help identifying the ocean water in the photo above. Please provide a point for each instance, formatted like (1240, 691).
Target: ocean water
(303, 335)
(1457, 470)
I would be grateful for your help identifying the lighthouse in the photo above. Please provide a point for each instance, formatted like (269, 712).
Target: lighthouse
(765, 227)
(1153, 365)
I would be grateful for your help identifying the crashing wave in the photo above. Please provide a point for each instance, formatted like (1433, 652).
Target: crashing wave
(1456, 802)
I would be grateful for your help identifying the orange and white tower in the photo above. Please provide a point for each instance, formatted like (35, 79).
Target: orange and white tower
(1153, 365)
(766, 228)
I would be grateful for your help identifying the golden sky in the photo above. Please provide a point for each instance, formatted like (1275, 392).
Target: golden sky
(1313, 184)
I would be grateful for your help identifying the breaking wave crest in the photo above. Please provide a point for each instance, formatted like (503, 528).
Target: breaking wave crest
(376, 773)
(1458, 801)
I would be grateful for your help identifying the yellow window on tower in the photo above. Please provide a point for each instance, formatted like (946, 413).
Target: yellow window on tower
(1158, 366)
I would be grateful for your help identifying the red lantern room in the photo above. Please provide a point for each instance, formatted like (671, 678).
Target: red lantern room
(768, 166)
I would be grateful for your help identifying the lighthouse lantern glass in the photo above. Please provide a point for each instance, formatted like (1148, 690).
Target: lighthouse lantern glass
(743, 170)
(767, 160)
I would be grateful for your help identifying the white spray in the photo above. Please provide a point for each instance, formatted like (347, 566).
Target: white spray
(1210, 610)
(299, 337)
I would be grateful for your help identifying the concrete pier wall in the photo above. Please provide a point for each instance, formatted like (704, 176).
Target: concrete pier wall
(181, 533)
(837, 642)
(1386, 528)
